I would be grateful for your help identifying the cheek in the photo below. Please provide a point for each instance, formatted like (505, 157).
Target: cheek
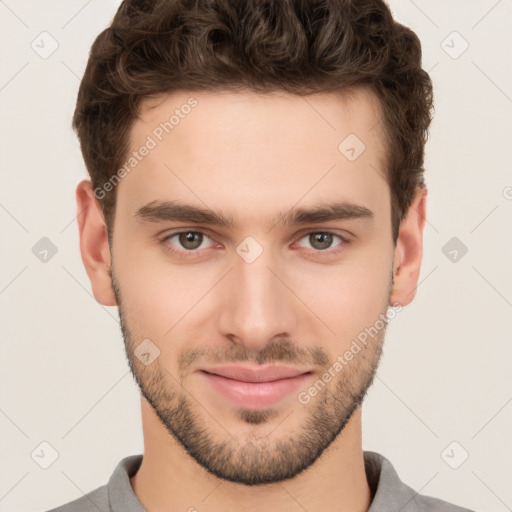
(156, 301)
(155, 294)
(351, 295)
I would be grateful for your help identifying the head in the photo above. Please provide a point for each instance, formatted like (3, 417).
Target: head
(256, 197)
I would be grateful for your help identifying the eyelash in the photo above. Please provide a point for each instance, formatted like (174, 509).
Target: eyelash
(192, 253)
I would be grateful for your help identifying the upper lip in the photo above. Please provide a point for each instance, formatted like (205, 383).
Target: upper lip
(256, 373)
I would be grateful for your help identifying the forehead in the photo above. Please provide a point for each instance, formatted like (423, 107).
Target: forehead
(276, 117)
(245, 151)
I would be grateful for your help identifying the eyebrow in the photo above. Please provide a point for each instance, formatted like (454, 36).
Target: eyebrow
(161, 211)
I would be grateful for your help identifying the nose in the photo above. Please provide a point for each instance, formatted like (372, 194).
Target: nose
(257, 305)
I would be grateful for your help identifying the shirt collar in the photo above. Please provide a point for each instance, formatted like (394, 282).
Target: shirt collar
(389, 493)
(120, 493)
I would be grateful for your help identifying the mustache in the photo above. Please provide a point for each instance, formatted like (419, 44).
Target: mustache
(276, 351)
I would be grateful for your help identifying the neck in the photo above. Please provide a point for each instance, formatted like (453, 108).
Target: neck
(169, 479)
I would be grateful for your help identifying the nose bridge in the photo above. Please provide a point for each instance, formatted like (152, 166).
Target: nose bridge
(257, 306)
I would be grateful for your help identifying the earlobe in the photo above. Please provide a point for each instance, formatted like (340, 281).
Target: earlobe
(94, 246)
(409, 251)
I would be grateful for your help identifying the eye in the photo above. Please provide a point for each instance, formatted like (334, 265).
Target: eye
(189, 242)
(186, 241)
(322, 240)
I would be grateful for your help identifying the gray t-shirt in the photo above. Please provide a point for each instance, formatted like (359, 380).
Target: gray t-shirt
(389, 493)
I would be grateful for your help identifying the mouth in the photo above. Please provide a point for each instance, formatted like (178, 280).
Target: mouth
(255, 387)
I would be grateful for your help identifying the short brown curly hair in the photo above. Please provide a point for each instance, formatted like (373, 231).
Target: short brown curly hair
(154, 47)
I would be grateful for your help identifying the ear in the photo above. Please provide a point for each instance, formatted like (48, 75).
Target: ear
(94, 244)
(409, 251)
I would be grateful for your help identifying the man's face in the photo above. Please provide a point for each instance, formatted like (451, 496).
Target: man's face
(264, 290)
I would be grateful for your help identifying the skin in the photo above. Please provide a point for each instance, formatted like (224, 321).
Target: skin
(242, 155)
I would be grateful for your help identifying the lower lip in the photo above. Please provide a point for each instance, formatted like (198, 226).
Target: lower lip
(255, 394)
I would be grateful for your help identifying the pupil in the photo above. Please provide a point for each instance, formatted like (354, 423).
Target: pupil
(188, 238)
(324, 239)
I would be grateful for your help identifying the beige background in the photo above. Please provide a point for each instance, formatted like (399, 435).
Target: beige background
(445, 374)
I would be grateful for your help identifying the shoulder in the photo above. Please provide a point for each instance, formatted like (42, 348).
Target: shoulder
(96, 501)
(390, 493)
(117, 494)
(431, 504)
